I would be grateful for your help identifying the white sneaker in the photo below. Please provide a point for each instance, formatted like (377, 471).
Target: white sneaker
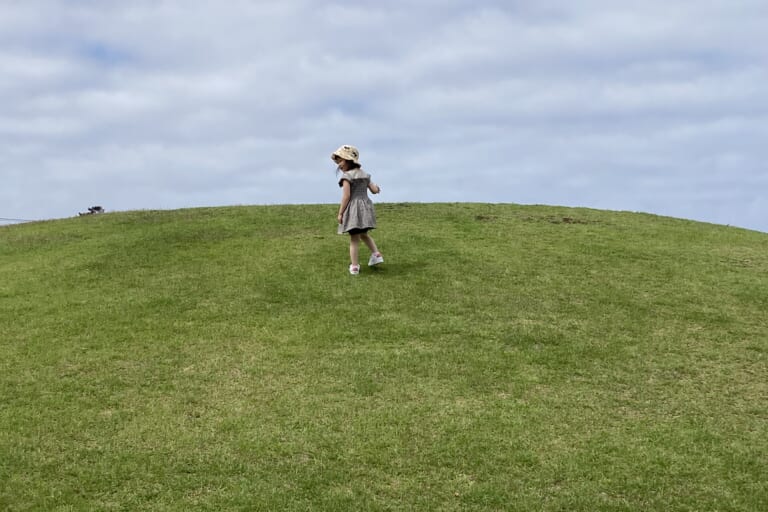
(354, 269)
(375, 259)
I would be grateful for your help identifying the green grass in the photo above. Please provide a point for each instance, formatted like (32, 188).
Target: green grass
(503, 358)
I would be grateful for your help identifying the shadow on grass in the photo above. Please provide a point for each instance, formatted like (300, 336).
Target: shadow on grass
(390, 270)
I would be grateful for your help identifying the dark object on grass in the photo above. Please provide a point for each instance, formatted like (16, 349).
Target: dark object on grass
(93, 210)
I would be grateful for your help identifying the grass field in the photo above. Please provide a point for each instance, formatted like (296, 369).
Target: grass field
(504, 358)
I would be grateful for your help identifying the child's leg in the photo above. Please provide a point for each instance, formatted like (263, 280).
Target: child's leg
(354, 249)
(368, 239)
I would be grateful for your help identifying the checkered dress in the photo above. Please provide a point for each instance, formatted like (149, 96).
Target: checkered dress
(360, 213)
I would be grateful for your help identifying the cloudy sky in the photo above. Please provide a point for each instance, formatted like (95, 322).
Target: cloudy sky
(658, 106)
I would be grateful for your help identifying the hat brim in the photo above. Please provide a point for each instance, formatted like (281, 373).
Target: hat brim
(334, 156)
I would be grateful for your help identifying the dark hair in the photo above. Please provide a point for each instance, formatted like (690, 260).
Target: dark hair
(352, 163)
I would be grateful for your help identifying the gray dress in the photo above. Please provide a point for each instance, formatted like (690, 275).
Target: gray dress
(360, 213)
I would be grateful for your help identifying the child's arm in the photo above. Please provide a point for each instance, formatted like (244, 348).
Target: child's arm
(374, 188)
(345, 193)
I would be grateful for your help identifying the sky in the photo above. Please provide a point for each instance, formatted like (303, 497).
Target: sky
(655, 106)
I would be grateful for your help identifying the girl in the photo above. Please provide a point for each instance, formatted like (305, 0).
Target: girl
(356, 213)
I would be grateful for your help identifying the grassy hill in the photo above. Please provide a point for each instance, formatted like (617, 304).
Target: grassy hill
(503, 358)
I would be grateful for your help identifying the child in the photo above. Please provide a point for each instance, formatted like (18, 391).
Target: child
(356, 213)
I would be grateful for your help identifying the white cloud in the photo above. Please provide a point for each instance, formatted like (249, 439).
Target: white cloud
(653, 106)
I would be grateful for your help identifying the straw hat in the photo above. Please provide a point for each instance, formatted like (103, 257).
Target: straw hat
(347, 152)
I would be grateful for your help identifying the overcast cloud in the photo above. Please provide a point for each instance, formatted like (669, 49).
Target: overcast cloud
(658, 106)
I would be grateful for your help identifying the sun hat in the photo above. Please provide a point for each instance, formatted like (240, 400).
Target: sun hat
(347, 152)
